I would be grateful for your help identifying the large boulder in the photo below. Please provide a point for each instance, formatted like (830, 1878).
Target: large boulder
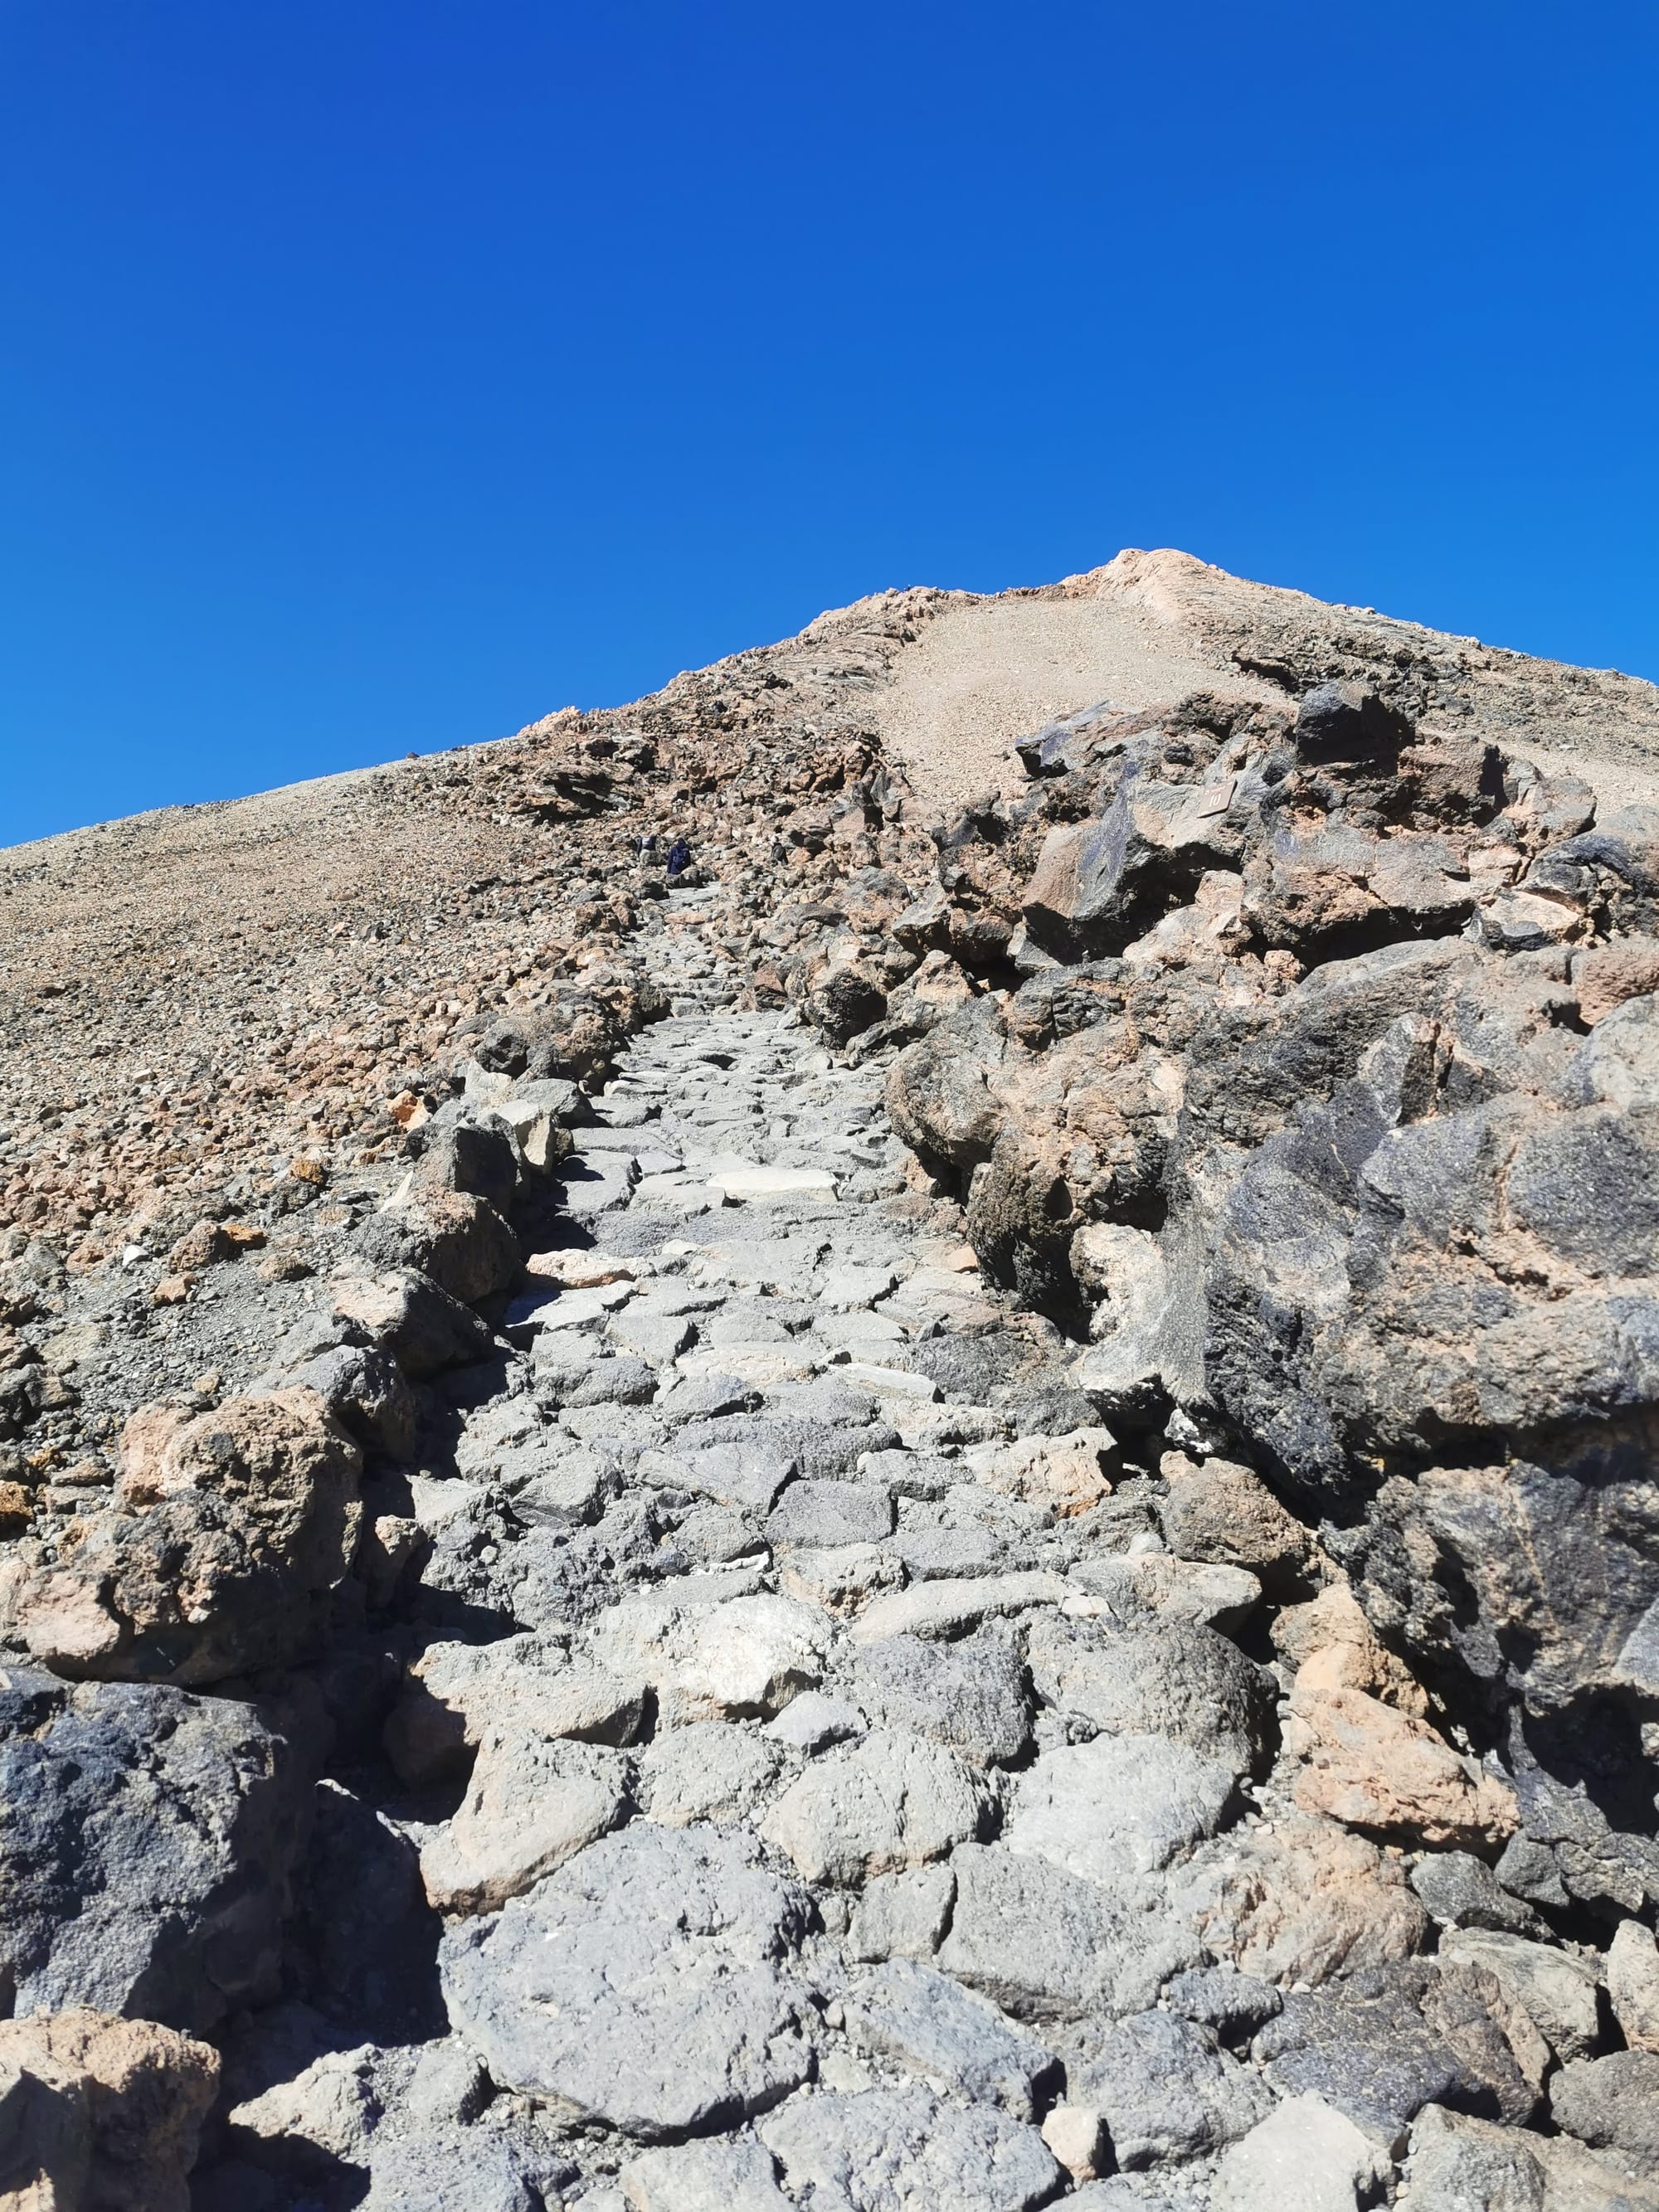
(650, 1985)
(1385, 2043)
(458, 1240)
(229, 1535)
(1374, 1767)
(99, 2114)
(364, 1389)
(470, 1152)
(422, 1327)
(1430, 1309)
(577, 1032)
(1347, 721)
(1099, 883)
(148, 1837)
(938, 1100)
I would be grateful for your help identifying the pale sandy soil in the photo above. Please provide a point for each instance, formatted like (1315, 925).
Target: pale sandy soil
(1147, 627)
(986, 673)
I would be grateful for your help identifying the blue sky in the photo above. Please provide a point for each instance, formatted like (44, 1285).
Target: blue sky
(377, 375)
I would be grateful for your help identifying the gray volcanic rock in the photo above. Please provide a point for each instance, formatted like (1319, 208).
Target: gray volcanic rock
(828, 1513)
(1169, 1678)
(477, 2169)
(883, 2150)
(457, 1240)
(970, 1694)
(1044, 1944)
(1163, 2089)
(1613, 2104)
(148, 1837)
(650, 1983)
(423, 1328)
(1390, 2041)
(888, 1801)
(364, 1390)
(733, 2173)
(933, 2027)
(1117, 1807)
(1322, 1146)
(1467, 2165)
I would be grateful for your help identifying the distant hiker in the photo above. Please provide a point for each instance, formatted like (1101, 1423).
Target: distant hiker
(679, 857)
(647, 849)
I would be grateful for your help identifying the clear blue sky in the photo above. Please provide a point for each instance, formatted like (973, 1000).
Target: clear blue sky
(377, 375)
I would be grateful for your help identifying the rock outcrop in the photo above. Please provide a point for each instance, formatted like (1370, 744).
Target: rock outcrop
(1328, 1105)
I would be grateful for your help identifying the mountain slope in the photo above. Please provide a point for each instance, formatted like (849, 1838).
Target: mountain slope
(184, 987)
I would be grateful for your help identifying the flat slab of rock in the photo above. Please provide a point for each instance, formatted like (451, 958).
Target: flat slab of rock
(826, 1514)
(711, 1771)
(889, 1382)
(651, 1985)
(894, 2150)
(732, 2174)
(658, 1338)
(935, 2029)
(750, 1182)
(845, 1287)
(1154, 1581)
(945, 1608)
(456, 1692)
(1123, 1805)
(532, 1804)
(890, 1801)
(747, 1476)
(581, 1307)
(1044, 1944)
(1303, 2158)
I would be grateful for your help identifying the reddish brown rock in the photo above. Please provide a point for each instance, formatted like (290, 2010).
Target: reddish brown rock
(100, 2115)
(230, 1532)
(1302, 1900)
(1369, 1766)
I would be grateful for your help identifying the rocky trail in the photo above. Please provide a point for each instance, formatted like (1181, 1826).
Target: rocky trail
(960, 1518)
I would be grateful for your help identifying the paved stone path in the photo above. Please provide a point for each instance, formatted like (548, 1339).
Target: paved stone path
(770, 1857)
(873, 1811)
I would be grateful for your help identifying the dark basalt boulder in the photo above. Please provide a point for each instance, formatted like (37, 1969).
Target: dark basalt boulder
(148, 1837)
